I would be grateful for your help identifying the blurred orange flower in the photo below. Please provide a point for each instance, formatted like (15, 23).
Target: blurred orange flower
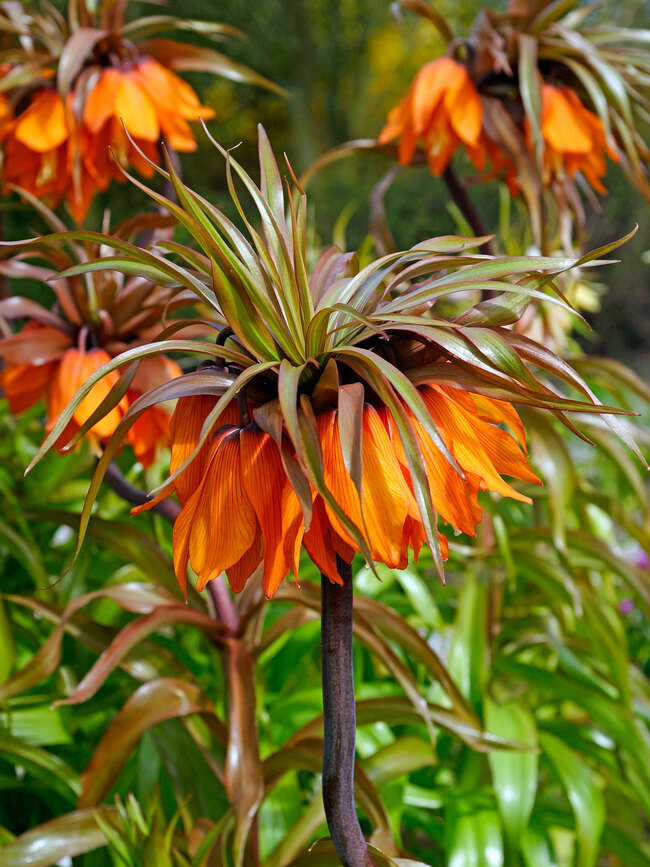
(443, 108)
(66, 369)
(574, 138)
(94, 320)
(53, 156)
(76, 83)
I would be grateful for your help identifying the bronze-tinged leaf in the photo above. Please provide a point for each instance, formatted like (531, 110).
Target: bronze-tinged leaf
(34, 347)
(51, 843)
(16, 307)
(429, 13)
(75, 54)
(134, 597)
(166, 698)
(244, 778)
(131, 635)
(531, 90)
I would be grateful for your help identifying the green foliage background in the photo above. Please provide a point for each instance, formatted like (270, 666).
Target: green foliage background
(542, 629)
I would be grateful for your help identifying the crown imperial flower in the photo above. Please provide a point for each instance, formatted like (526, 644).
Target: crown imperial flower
(55, 353)
(336, 411)
(71, 86)
(443, 108)
(574, 138)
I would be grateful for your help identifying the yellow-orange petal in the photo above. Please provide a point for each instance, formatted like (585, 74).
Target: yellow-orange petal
(75, 369)
(476, 445)
(43, 127)
(100, 103)
(169, 91)
(562, 127)
(135, 108)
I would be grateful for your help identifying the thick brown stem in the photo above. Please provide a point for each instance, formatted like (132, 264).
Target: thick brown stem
(340, 720)
(466, 206)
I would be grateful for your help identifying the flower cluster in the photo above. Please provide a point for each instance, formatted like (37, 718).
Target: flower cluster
(238, 484)
(69, 90)
(335, 411)
(95, 318)
(443, 109)
(536, 91)
(55, 152)
(574, 138)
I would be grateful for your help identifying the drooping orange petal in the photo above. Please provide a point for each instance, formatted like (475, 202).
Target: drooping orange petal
(454, 498)
(429, 87)
(395, 123)
(135, 108)
(185, 428)
(562, 127)
(264, 482)
(183, 526)
(225, 524)
(166, 89)
(387, 501)
(386, 498)
(24, 384)
(317, 543)
(149, 434)
(177, 131)
(81, 195)
(497, 411)
(43, 126)
(441, 141)
(90, 362)
(100, 103)
(293, 526)
(476, 445)
(74, 370)
(239, 573)
(463, 105)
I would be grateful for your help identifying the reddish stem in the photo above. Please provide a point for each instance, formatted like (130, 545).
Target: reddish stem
(465, 205)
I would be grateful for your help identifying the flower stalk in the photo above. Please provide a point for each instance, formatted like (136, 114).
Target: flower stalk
(340, 720)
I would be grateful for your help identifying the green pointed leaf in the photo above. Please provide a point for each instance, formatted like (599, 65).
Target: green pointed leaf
(584, 794)
(514, 773)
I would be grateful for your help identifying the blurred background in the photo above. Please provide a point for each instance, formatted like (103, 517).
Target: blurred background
(344, 64)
